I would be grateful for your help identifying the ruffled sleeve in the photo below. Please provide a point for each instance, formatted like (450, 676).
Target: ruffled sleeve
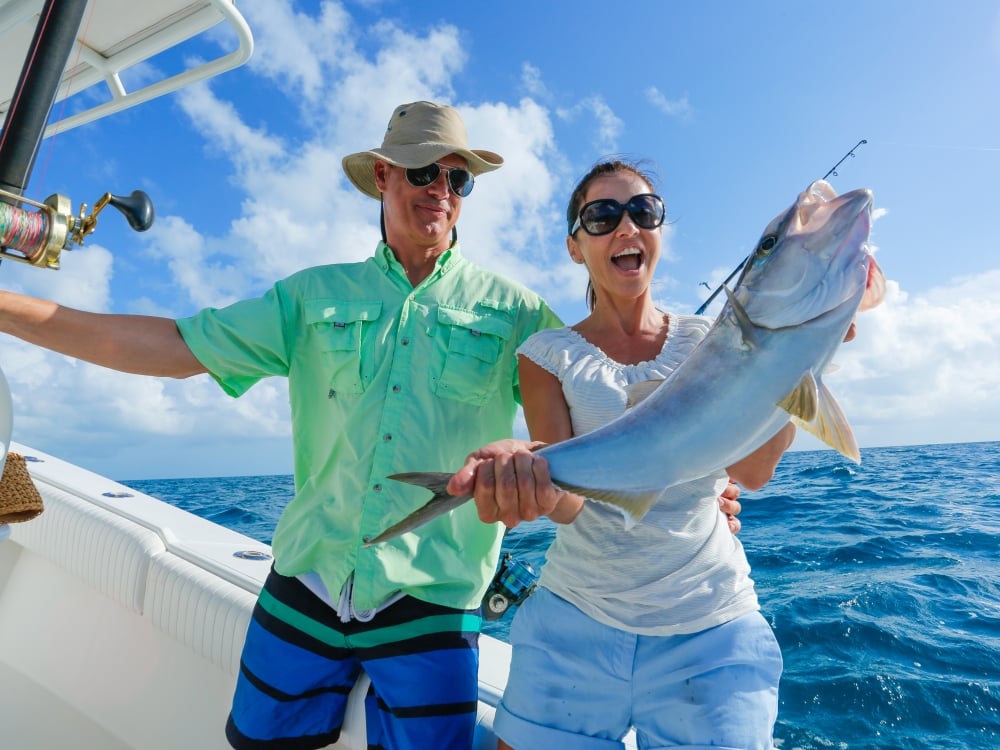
(555, 349)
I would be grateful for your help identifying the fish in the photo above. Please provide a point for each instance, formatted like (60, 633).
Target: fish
(760, 364)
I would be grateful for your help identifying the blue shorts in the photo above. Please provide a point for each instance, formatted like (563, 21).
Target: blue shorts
(300, 662)
(576, 684)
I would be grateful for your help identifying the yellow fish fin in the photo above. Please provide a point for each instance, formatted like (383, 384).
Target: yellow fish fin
(633, 505)
(803, 401)
(831, 426)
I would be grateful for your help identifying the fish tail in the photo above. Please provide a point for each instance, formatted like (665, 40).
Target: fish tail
(435, 481)
(441, 503)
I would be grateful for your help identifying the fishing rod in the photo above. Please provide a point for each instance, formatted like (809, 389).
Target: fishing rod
(833, 169)
(713, 295)
(32, 232)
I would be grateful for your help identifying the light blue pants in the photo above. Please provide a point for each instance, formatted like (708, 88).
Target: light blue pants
(576, 684)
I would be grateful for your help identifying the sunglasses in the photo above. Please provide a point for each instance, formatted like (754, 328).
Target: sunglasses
(604, 215)
(459, 180)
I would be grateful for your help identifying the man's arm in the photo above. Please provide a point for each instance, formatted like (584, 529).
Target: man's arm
(140, 344)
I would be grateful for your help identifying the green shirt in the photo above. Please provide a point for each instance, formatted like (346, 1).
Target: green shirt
(382, 378)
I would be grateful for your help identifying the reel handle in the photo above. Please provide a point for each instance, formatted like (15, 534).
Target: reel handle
(137, 208)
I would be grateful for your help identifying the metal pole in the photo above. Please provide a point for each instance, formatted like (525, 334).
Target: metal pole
(35, 93)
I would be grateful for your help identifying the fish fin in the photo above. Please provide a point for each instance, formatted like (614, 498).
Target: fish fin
(441, 503)
(633, 505)
(831, 426)
(742, 319)
(435, 481)
(803, 401)
(639, 392)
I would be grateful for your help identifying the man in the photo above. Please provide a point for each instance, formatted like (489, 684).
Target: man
(403, 360)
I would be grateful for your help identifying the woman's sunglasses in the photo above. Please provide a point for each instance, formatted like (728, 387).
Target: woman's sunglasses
(460, 180)
(603, 216)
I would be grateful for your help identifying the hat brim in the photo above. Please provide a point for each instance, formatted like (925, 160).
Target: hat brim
(360, 167)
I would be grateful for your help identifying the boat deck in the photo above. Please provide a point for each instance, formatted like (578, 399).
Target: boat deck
(40, 719)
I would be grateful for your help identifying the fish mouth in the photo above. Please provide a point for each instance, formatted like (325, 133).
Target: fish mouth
(853, 216)
(856, 207)
(629, 259)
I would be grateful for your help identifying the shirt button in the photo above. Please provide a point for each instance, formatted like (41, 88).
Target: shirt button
(396, 389)
(405, 342)
(377, 488)
(387, 437)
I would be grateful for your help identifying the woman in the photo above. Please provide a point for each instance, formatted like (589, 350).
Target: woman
(655, 627)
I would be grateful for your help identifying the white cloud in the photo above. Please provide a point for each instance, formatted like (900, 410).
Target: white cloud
(83, 280)
(292, 48)
(607, 125)
(923, 368)
(677, 108)
(533, 82)
(297, 198)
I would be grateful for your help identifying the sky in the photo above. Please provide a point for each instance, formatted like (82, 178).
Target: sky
(737, 106)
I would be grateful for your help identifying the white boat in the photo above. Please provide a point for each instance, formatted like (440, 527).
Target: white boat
(122, 618)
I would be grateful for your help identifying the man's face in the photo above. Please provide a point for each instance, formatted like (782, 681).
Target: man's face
(419, 218)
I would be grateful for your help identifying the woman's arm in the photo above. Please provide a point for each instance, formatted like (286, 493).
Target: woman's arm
(547, 416)
(756, 470)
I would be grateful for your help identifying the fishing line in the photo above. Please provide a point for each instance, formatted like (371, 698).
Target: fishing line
(517, 542)
(24, 230)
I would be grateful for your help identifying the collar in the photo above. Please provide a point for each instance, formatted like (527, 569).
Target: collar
(387, 261)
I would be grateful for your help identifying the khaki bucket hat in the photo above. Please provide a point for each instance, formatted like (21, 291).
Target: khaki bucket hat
(419, 134)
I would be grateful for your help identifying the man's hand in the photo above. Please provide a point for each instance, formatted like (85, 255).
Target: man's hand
(852, 331)
(511, 484)
(730, 505)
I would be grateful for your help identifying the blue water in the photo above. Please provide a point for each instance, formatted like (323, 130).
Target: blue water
(881, 581)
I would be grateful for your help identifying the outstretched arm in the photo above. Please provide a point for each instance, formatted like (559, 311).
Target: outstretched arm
(140, 344)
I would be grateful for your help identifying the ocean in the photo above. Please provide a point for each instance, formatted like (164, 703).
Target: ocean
(881, 581)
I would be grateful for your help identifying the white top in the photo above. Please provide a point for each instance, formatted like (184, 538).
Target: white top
(679, 570)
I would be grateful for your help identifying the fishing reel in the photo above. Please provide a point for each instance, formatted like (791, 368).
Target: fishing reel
(37, 237)
(512, 584)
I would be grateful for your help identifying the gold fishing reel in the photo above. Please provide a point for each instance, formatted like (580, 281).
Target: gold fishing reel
(37, 233)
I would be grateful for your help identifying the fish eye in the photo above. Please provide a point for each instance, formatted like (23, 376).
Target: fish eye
(767, 244)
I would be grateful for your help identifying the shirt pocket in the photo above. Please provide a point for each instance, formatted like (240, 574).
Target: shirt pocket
(475, 341)
(340, 330)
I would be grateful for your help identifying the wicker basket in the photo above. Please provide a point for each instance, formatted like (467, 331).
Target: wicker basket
(19, 498)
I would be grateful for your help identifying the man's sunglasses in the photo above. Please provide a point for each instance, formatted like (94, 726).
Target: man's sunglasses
(459, 180)
(603, 216)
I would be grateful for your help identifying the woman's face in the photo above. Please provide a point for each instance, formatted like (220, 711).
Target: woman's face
(622, 262)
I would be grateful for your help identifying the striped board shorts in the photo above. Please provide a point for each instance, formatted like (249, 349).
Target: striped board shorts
(300, 662)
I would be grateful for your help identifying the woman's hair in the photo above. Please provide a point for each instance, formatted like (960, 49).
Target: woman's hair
(608, 166)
